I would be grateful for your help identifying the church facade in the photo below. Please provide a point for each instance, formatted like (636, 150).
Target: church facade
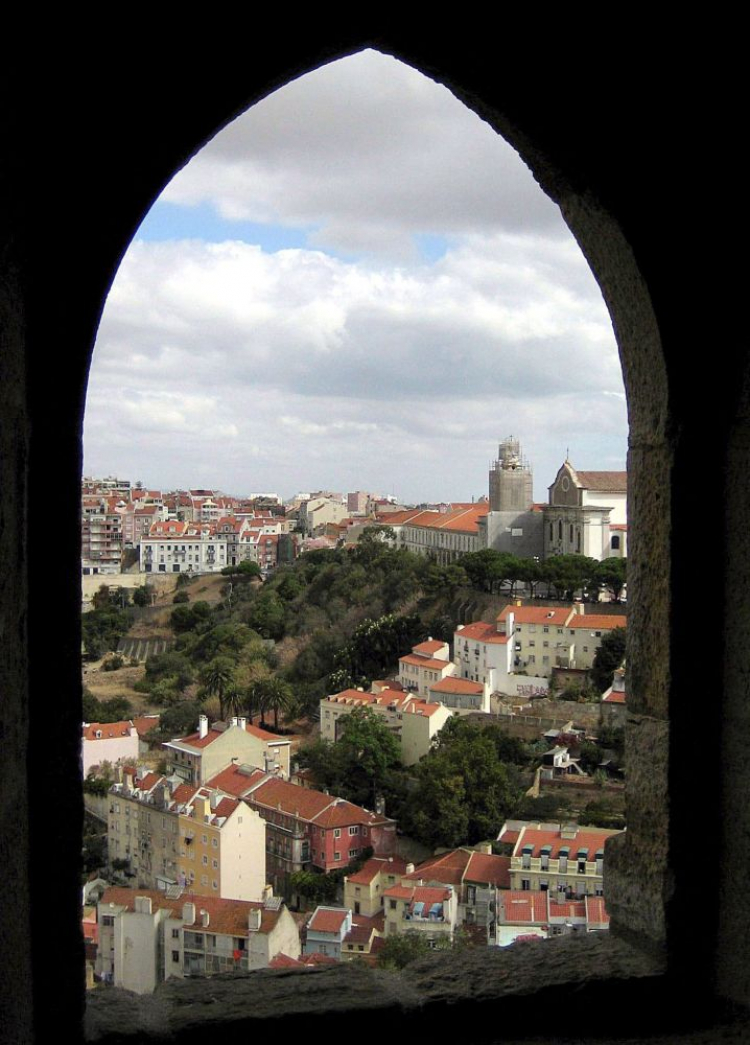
(586, 514)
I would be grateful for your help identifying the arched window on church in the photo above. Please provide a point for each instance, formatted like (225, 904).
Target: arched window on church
(616, 543)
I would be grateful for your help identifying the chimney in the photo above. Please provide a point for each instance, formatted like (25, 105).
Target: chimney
(234, 721)
(188, 913)
(205, 918)
(242, 722)
(202, 726)
(409, 869)
(267, 893)
(253, 919)
(142, 905)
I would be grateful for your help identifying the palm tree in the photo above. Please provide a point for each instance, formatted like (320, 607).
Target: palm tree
(218, 677)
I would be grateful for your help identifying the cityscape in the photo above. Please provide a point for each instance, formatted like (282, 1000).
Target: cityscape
(277, 692)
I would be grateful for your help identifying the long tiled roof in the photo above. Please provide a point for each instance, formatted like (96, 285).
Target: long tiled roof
(591, 838)
(453, 684)
(603, 482)
(109, 730)
(537, 614)
(597, 621)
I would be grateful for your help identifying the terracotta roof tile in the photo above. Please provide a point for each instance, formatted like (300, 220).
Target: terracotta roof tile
(109, 730)
(328, 920)
(452, 684)
(480, 631)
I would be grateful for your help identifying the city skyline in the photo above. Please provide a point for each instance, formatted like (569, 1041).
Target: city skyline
(356, 285)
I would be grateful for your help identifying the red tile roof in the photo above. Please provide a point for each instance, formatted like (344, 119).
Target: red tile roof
(591, 838)
(425, 662)
(429, 647)
(145, 723)
(109, 730)
(537, 614)
(235, 781)
(598, 621)
(481, 632)
(378, 865)
(327, 920)
(486, 868)
(525, 906)
(452, 684)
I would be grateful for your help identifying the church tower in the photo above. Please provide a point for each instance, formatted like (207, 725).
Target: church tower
(511, 479)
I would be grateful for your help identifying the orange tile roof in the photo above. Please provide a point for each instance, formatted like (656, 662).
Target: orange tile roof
(524, 906)
(226, 917)
(462, 520)
(596, 910)
(453, 684)
(480, 631)
(617, 696)
(591, 838)
(145, 723)
(598, 621)
(109, 730)
(378, 865)
(425, 662)
(326, 920)
(447, 868)
(537, 614)
(429, 647)
(292, 799)
(421, 707)
(490, 869)
(234, 781)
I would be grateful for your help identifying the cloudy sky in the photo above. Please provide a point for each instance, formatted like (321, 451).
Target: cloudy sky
(357, 285)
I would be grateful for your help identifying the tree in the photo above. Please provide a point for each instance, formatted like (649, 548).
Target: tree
(464, 791)
(218, 678)
(246, 570)
(142, 595)
(612, 575)
(270, 694)
(609, 657)
(369, 751)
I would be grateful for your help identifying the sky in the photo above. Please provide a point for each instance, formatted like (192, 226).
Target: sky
(357, 285)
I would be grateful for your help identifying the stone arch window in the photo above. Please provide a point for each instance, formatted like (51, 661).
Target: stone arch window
(629, 218)
(616, 542)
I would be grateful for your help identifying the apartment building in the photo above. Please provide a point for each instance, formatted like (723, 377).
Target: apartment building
(147, 936)
(108, 742)
(431, 910)
(525, 643)
(183, 547)
(168, 834)
(201, 755)
(542, 915)
(429, 662)
(564, 859)
(306, 829)
(415, 722)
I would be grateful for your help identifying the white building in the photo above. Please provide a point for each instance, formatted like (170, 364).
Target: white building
(427, 663)
(582, 511)
(183, 547)
(108, 742)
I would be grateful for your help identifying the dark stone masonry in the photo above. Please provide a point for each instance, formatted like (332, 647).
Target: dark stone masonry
(624, 129)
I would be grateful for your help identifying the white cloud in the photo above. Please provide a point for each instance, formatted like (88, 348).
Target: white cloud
(220, 364)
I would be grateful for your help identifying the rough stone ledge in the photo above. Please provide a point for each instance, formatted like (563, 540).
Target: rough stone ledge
(436, 991)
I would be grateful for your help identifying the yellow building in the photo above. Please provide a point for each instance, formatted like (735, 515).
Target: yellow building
(195, 838)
